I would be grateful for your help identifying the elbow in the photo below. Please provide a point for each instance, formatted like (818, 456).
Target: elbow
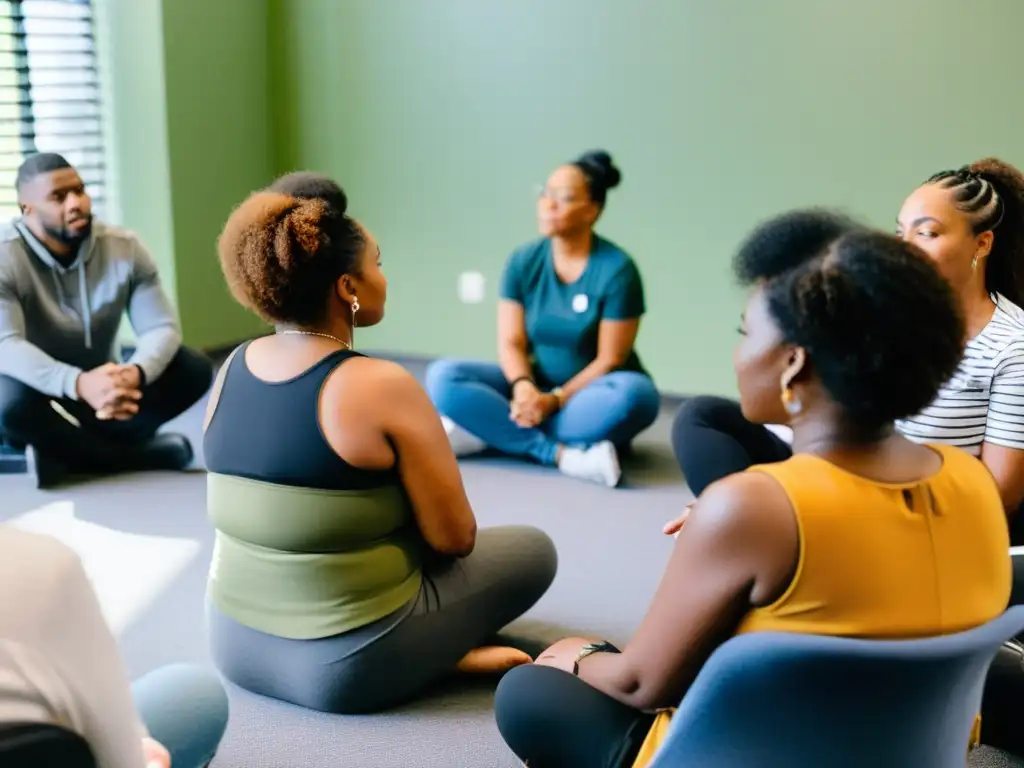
(165, 335)
(1012, 499)
(1012, 508)
(648, 698)
(174, 336)
(457, 543)
(464, 542)
(611, 361)
(512, 346)
(644, 690)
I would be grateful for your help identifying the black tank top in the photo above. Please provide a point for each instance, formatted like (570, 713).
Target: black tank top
(270, 431)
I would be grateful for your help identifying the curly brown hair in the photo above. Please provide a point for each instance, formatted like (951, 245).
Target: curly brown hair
(991, 193)
(281, 255)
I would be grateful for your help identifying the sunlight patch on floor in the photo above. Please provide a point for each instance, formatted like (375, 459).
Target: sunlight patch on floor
(129, 571)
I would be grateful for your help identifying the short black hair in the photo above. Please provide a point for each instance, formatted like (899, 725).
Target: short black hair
(40, 162)
(600, 173)
(787, 241)
(308, 185)
(882, 328)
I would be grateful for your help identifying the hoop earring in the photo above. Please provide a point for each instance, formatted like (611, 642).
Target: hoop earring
(355, 308)
(791, 402)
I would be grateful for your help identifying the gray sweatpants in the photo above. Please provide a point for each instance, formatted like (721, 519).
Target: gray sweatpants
(461, 605)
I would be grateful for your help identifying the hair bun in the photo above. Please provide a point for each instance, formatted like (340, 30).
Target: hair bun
(1007, 179)
(305, 184)
(299, 221)
(303, 224)
(598, 165)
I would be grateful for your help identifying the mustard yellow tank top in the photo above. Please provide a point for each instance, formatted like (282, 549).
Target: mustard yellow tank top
(886, 560)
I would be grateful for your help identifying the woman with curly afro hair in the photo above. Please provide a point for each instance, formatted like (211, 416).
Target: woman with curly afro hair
(348, 574)
(860, 532)
(971, 223)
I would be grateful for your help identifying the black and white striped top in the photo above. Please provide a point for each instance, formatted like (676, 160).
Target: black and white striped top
(984, 401)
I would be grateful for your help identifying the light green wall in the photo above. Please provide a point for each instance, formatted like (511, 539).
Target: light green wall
(219, 141)
(439, 116)
(130, 47)
(189, 135)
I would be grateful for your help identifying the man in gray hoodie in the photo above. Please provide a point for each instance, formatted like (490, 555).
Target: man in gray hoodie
(66, 283)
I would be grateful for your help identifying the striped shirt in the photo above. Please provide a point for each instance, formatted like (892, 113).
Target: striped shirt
(984, 400)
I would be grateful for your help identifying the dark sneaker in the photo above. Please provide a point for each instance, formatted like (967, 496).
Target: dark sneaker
(48, 471)
(12, 460)
(168, 450)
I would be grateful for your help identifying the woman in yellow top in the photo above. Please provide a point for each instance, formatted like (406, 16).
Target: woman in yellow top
(862, 533)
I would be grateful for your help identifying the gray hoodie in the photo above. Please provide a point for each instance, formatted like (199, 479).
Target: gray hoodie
(56, 321)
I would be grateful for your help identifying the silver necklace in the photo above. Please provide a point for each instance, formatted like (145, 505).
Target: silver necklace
(345, 344)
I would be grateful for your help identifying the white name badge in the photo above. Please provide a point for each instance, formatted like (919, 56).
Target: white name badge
(580, 302)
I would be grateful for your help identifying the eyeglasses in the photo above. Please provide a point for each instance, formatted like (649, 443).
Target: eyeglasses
(557, 196)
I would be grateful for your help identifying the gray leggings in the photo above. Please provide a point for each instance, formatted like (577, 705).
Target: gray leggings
(461, 605)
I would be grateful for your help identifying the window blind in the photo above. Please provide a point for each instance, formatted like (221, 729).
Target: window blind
(49, 92)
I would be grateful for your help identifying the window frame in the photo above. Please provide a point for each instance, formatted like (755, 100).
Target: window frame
(51, 95)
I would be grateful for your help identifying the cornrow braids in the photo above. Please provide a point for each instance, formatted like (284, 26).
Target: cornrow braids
(990, 193)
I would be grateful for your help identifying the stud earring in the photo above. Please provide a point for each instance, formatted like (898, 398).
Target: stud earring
(791, 402)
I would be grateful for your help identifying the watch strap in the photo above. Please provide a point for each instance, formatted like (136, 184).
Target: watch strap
(591, 648)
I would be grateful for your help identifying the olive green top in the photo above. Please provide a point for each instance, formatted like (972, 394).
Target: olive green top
(306, 563)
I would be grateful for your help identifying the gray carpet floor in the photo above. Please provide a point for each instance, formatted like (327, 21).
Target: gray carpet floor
(611, 557)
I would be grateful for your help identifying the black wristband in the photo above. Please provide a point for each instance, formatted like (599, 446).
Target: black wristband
(591, 648)
(512, 384)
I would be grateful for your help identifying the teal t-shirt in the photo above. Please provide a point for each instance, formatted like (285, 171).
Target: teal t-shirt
(562, 319)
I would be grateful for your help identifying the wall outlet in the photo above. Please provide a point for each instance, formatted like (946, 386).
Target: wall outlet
(472, 287)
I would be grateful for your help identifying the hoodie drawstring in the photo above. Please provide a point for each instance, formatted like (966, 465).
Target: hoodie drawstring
(83, 297)
(32, 244)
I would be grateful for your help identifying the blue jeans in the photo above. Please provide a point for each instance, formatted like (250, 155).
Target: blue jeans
(185, 708)
(616, 407)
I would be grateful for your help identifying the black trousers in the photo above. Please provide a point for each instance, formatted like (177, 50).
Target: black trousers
(28, 417)
(552, 719)
(711, 440)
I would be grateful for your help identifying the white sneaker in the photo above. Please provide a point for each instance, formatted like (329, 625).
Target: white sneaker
(597, 464)
(462, 442)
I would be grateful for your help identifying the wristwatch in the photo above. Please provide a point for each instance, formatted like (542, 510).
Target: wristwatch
(591, 648)
(559, 394)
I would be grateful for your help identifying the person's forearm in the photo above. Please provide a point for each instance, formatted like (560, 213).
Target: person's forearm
(588, 375)
(514, 362)
(27, 363)
(608, 673)
(154, 351)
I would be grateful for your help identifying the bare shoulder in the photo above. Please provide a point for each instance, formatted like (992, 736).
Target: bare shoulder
(374, 372)
(747, 523)
(370, 379)
(747, 503)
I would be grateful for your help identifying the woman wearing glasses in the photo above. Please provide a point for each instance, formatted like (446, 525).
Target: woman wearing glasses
(569, 390)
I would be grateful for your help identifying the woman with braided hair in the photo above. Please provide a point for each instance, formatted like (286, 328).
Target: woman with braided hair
(971, 223)
(860, 532)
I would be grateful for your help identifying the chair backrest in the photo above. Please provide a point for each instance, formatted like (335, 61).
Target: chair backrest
(781, 700)
(31, 745)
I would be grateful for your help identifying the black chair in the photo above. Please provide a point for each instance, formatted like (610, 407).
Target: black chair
(31, 745)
